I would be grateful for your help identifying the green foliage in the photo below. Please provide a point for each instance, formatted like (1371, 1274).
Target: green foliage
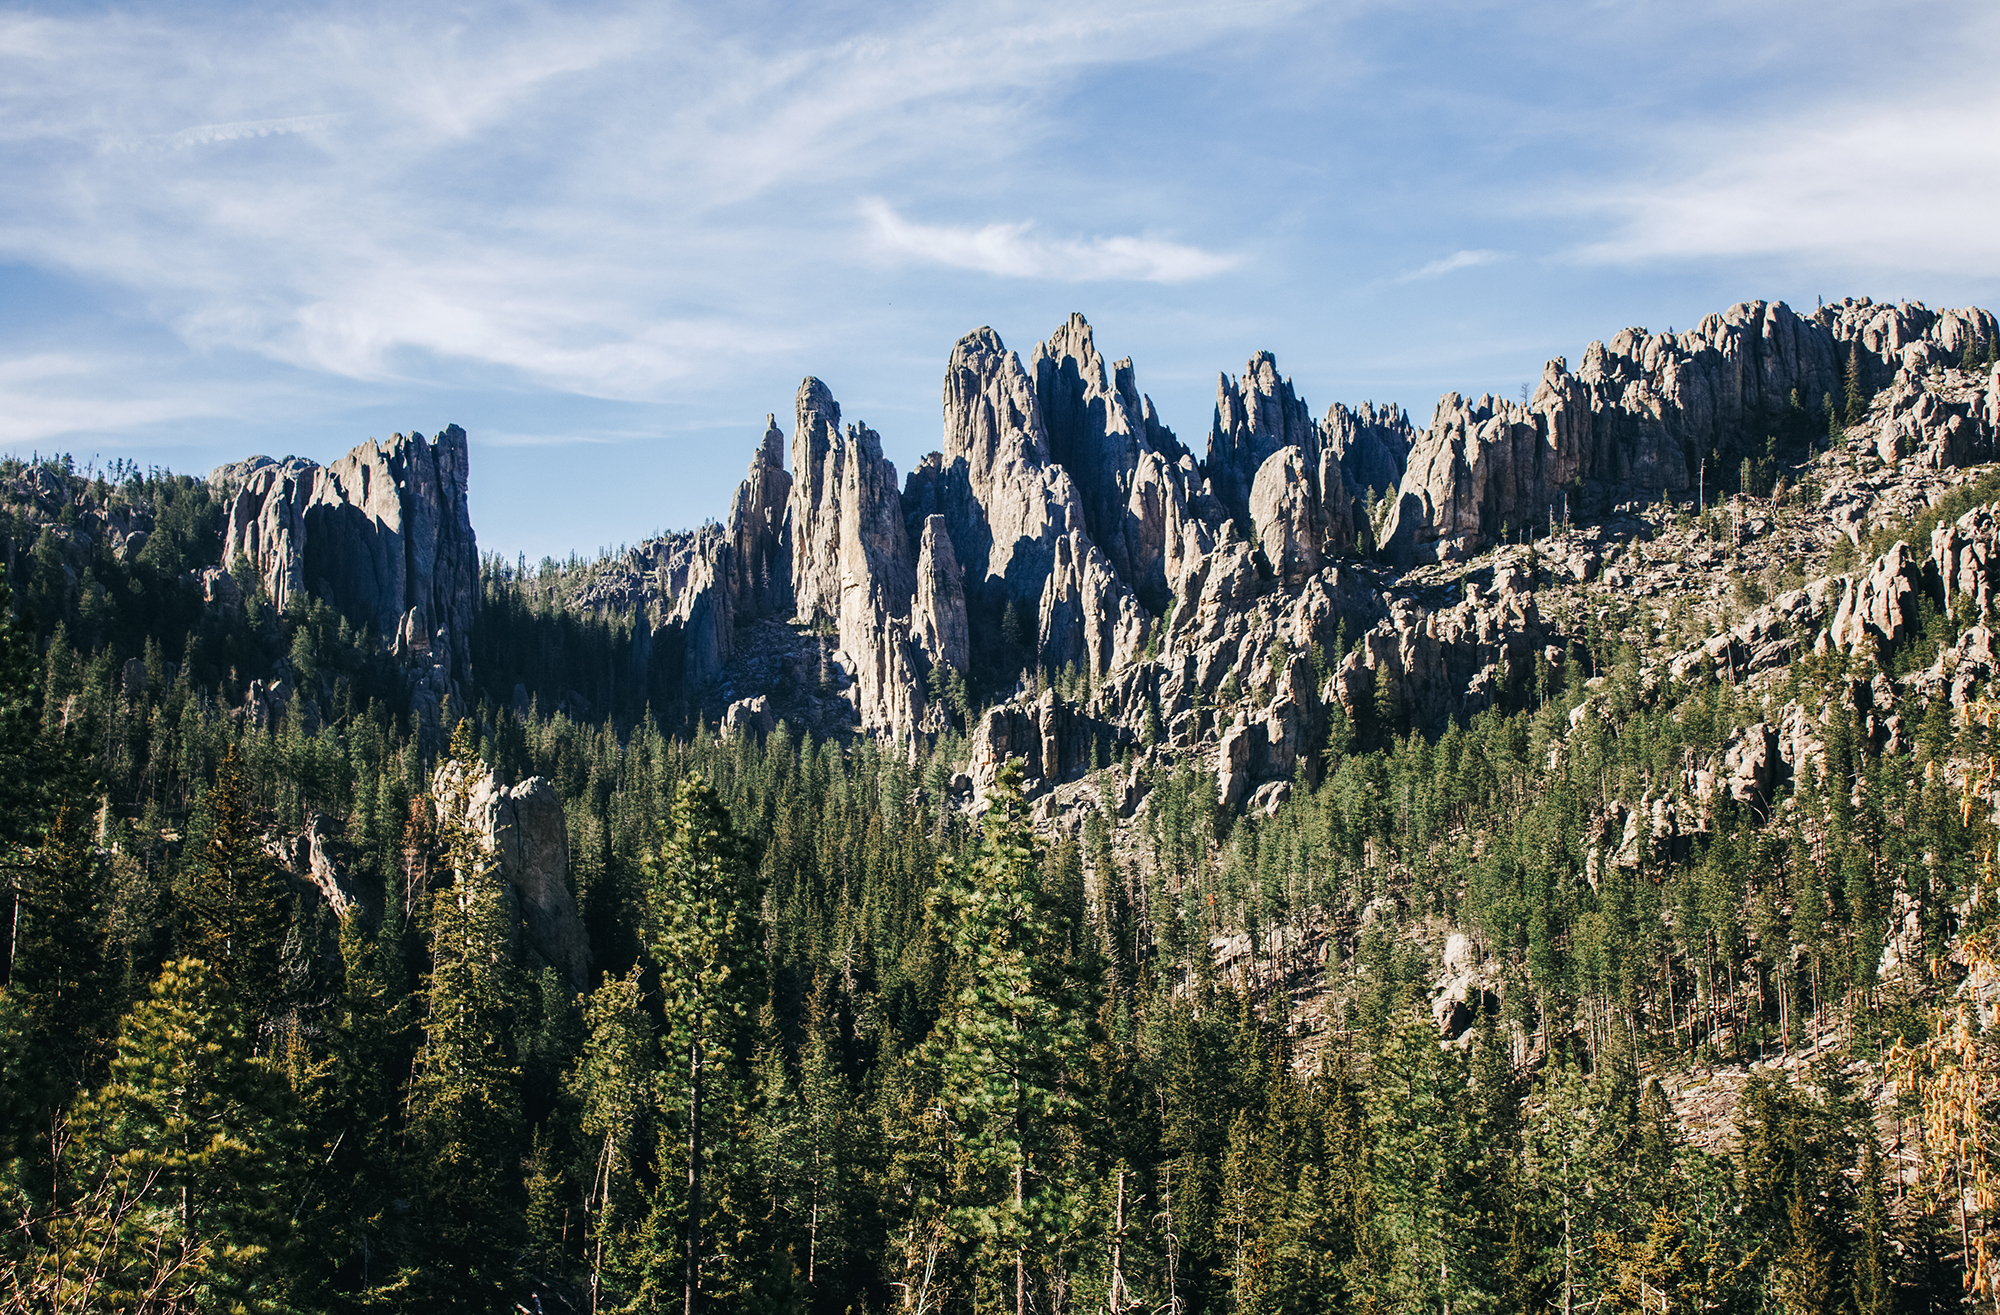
(183, 1177)
(1007, 1064)
(1856, 387)
(234, 907)
(465, 1104)
(703, 903)
(1203, 1043)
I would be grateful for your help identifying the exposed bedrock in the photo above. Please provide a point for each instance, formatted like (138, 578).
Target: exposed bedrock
(760, 532)
(525, 828)
(384, 535)
(1638, 417)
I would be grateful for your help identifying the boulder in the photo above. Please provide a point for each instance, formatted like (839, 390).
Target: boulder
(1285, 516)
(1879, 606)
(750, 717)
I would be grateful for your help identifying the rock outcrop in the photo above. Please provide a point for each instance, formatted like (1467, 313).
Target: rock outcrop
(1285, 516)
(852, 569)
(384, 535)
(937, 614)
(525, 828)
(1063, 552)
(1372, 444)
(1126, 464)
(760, 532)
(1642, 413)
(1255, 416)
(1006, 505)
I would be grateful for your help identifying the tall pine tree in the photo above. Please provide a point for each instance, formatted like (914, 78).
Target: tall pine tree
(703, 912)
(465, 1100)
(1010, 1053)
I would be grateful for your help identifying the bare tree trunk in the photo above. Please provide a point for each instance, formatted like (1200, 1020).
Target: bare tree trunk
(1118, 1250)
(694, 1173)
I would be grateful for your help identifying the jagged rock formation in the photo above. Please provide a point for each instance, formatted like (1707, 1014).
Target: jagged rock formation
(1132, 473)
(937, 615)
(1005, 504)
(760, 533)
(384, 535)
(1226, 608)
(1286, 517)
(526, 830)
(1372, 445)
(851, 562)
(1642, 413)
(818, 457)
(1254, 418)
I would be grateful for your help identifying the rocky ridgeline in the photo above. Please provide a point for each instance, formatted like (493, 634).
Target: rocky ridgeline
(1642, 413)
(1302, 577)
(384, 535)
(1165, 599)
(1348, 576)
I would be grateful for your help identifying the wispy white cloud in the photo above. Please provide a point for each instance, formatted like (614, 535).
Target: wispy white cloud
(47, 397)
(595, 201)
(1017, 251)
(1897, 173)
(212, 134)
(1457, 260)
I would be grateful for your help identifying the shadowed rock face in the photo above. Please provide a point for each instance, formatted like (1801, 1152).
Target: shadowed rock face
(384, 535)
(1372, 445)
(760, 532)
(1109, 439)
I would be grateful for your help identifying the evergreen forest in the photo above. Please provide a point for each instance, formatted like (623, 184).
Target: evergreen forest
(849, 1046)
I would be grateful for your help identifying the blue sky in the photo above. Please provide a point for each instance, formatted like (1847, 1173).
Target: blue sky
(608, 239)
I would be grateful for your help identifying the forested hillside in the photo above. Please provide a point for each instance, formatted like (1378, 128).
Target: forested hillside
(1657, 982)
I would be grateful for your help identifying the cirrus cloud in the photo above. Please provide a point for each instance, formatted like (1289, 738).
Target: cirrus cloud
(1016, 251)
(1452, 263)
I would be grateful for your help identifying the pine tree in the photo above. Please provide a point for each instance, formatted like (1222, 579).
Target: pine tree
(465, 1102)
(185, 1156)
(28, 767)
(1874, 1262)
(234, 907)
(703, 911)
(830, 1151)
(1804, 1276)
(613, 1082)
(57, 1005)
(1857, 393)
(350, 1107)
(1009, 1053)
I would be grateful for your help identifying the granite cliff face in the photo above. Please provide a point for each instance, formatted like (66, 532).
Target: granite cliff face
(760, 531)
(384, 535)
